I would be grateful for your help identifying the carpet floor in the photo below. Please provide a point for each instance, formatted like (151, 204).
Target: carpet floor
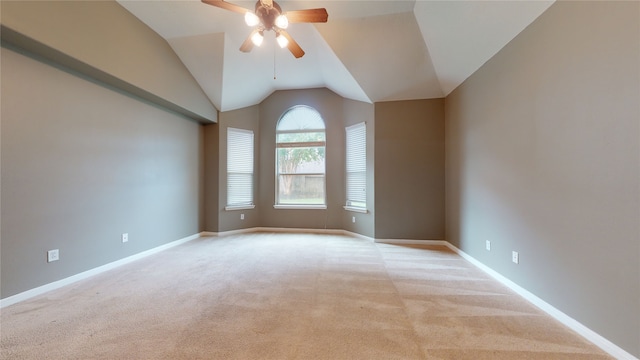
(288, 296)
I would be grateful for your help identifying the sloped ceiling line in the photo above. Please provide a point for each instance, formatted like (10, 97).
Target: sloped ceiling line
(368, 50)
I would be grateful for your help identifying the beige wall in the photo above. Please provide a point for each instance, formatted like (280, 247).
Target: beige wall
(401, 135)
(337, 113)
(543, 155)
(409, 164)
(82, 164)
(330, 107)
(356, 112)
(262, 119)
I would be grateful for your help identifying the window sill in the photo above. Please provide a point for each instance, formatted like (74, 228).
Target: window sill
(300, 207)
(356, 209)
(238, 207)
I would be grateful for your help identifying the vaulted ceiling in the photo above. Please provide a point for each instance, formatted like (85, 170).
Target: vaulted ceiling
(368, 50)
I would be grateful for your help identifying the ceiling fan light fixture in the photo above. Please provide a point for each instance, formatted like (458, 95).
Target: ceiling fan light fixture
(282, 22)
(257, 38)
(282, 41)
(268, 15)
(251, 19)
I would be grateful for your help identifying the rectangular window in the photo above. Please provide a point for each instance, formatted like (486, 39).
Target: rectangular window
(356, 161)
(301, 178)
(239, 168)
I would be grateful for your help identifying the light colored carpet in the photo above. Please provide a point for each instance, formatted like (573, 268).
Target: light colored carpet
(288, 296)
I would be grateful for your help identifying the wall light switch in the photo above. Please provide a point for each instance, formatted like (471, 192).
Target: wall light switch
(241, 216)
(487, 245)
(353, 219)
(125, 237)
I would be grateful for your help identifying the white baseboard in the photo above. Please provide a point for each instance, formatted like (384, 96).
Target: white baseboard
(290, 230)
(565, 319)
(359, 236)
(89, 273)
(281, 230)
(300, 230)
(604, 344)
(411, 242)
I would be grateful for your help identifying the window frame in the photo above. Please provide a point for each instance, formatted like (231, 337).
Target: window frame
(250, 154)
(307, 144)
(356, 140)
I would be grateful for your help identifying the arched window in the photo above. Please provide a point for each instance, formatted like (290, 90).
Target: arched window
(300, 158)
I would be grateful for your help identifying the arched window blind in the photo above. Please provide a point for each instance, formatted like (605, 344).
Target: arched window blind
(239, 168)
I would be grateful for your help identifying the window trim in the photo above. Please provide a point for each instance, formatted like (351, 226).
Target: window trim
(241, 206)
(290, 145)
(299, 207)
(301, 144)
(363, 138)
(363, 210)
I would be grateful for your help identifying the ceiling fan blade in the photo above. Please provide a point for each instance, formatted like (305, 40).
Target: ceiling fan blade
(225, 5)
(308, 16)
(293, 46)
(247, 45)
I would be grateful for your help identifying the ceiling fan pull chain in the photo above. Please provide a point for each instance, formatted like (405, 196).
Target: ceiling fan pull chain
(274, 61)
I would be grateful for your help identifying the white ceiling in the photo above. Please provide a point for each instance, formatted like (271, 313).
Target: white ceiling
(368, 50)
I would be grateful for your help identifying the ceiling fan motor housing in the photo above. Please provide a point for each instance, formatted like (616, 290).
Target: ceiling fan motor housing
(268, 15)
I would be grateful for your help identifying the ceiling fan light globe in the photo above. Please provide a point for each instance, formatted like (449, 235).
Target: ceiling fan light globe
(257, 39)
(251, 19)
(282, 22)
(282, 41)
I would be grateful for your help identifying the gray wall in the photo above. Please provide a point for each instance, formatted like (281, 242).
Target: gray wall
(211, 159)
(82, 164)
(105, 41)
(543, 158)
(409, 164)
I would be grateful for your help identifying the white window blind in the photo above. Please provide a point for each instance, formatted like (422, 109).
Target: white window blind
(239, 167)
(356, 150)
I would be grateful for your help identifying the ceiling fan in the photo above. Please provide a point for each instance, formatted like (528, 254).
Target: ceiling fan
(269, 16)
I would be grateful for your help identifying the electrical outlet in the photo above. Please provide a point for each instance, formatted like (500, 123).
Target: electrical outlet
(125, 237)
(353, 219)
(241, 216)
(515, 257)
(53, 255)
(487, 245)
